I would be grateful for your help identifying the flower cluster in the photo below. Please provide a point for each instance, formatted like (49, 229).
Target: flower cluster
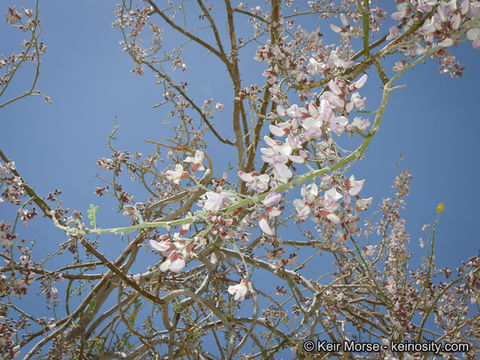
(13, 190)
(175, 249)
(8, 334)
(310, 123)
(327, 205)
(17, 285)
(446, 19)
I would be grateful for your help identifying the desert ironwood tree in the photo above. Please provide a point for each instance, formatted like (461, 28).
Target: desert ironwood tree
(219, 233)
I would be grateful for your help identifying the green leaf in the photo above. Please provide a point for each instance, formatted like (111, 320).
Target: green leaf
(92, 215)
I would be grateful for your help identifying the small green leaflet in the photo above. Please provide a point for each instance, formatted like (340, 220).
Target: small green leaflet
(92, 215)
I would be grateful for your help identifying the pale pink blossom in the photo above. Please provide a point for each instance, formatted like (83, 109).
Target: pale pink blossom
(338, 62)
(264, 226)
(175, 262)
(358, 101)
(213, 202)
(330, 205)
(447, 42)
(273, 212)
(474, 36)
(363, 204)
(273, 198)
(338, 124)
(177, 175)
(255, 181)
(402, 11)
(165, 246)
(314, 67)
(394, 32)
(239, 291)
(278, 131)
(359, 83)
(465, 7)
(354, 186)
(360, 124)
(12, 15)
(314, 123)
(302, 209)
(196, 160)
(309, 192)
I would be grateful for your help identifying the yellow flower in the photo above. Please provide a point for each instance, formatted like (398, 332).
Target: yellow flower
(440, 208)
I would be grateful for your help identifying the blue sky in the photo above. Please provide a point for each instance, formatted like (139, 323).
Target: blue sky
(434, 123)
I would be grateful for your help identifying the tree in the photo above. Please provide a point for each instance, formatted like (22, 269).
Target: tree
(210, 232)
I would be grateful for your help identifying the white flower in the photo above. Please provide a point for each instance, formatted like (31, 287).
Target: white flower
(314, 67)
(302, 209)
(239, 290)
(12, 15)
(177, 174)
(474, 36)
(360, 124)
(330, 205)
(255, 181)
(162, 246)
(212, 201)
(196, 160)
(331, 197)
(264, 226)
(354, 186)
(273, 198)
(175, 262)
(363, 204)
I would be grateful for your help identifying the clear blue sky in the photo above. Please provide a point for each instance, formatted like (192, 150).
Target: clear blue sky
(434, 123)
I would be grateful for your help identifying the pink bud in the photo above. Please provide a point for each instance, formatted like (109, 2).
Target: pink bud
(271, 199)
(264, 226)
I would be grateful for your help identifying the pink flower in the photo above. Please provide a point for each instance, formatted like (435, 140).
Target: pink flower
(330, 199)
(264, 226)
(360, 124)
(213, 202)
(465, 7)
(474, 36)
(271, 199)
(394, 32)
(338, 124)
(447, 42)
(277, 155)
(177, 175)
(175, 262)
(353, 186)
(176, 252)
(314, 67)
(313, 124)
(339, 63)
(273, 212)
(165, 246)
(12, 15)
(302, 209)
(239, 290)
(196, 160)
(363, 204)
(402, 12)
(255, 181)
(359, 83)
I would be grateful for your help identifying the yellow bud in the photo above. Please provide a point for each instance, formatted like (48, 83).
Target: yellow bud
(440, 208)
